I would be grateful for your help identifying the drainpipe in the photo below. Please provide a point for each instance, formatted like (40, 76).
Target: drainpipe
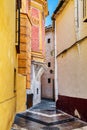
(76, 19)
(77, 23)
(56, 68)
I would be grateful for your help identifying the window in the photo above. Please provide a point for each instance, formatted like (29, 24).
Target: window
(48, 40)
(14, 80)
(43, 15)
(29, 1)
(49, 80)
(52, 53)
(51, 71)
(49, 64)
(85, 10)
(37, 91)
(19, 4)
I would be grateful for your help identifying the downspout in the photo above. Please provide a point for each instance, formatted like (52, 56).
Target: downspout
(56, 67)
(76, 19)
(77, 23)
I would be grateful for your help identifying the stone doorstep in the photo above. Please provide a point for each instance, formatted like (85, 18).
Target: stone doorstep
(82, 128)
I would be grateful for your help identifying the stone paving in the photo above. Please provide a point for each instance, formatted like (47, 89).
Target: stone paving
(44, 116)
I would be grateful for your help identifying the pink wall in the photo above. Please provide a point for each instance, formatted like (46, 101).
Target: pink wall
(35, 12)
(35, 37)
(35, 31)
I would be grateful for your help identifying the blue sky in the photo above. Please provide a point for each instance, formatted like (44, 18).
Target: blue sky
(52, 4)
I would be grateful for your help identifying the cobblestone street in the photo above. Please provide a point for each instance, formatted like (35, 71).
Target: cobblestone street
(44, 116)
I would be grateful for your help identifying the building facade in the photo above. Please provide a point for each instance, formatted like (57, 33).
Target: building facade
(70, 19)
(47, 79)
(24, 57)
(38, 13)
(14, 68)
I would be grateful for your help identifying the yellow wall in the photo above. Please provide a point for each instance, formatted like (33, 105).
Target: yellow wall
(20, 93)
(8, 61)
(64, 23)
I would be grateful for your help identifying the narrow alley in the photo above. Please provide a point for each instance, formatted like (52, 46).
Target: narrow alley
(45, 116)
(43, 58)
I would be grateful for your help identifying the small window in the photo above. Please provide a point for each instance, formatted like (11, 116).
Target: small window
(29, 3)
(14, 80)
(37, 91)
(17, 38)
(52, 53)
(43, 15)
(85, 10)
(49, 80)
(51, 71)
(19, 4)
(48, 40)
(49, 64)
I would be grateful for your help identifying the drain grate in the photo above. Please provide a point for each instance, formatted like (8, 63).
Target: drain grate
(50, 128)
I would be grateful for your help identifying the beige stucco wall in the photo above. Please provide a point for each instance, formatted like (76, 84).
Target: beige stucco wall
(72, 71)
(65, 22)
(72, 75)
(47, 88)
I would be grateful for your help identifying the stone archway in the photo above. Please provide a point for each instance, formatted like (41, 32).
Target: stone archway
(37, 69)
